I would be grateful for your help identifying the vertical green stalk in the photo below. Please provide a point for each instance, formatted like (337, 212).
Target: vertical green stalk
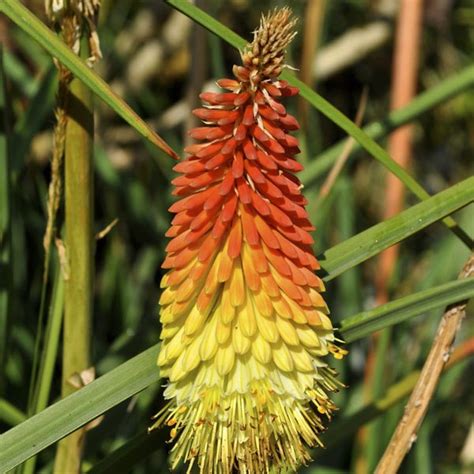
(378, 384)
(78, 184)
(52, 336)
(48, 358)
(349, 284)
(5, 225)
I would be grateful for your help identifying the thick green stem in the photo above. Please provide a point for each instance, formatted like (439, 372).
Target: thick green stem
(79, 250)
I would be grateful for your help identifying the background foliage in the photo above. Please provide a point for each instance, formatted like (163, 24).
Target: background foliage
(158, 62)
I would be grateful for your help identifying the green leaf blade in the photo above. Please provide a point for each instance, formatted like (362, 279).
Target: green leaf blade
(49, 41)
(365, 323)
(424, 102)
(381, 236)
(69, 414)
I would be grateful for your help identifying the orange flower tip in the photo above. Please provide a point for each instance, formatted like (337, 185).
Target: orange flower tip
(229, 84)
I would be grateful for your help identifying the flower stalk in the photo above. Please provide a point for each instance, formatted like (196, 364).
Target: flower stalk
(75, 21)
(79, 247)
(244, 325)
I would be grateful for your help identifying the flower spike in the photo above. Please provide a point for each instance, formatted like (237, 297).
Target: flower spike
(244, 325)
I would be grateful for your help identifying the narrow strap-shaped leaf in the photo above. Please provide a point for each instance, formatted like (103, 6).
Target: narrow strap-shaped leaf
(74, 411)
(381, 236)
(365, 323)
(372, 147)
(324, 107)
(65, 416)
(49, 41)
(448, 88)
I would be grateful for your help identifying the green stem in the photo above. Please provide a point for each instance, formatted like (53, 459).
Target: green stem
(424, 102)
(38, 337)
(382, 370)
(367, 322)
(5, 224)
(79, 271)
(48, 358)
(53, 332)
(10, 414)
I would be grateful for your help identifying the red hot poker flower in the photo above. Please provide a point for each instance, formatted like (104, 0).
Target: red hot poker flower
(244, 324)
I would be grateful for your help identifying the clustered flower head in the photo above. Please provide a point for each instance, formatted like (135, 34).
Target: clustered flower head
(244, 325)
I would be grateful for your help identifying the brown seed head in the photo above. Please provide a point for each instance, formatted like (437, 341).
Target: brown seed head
(265, 55)
(72, 17)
